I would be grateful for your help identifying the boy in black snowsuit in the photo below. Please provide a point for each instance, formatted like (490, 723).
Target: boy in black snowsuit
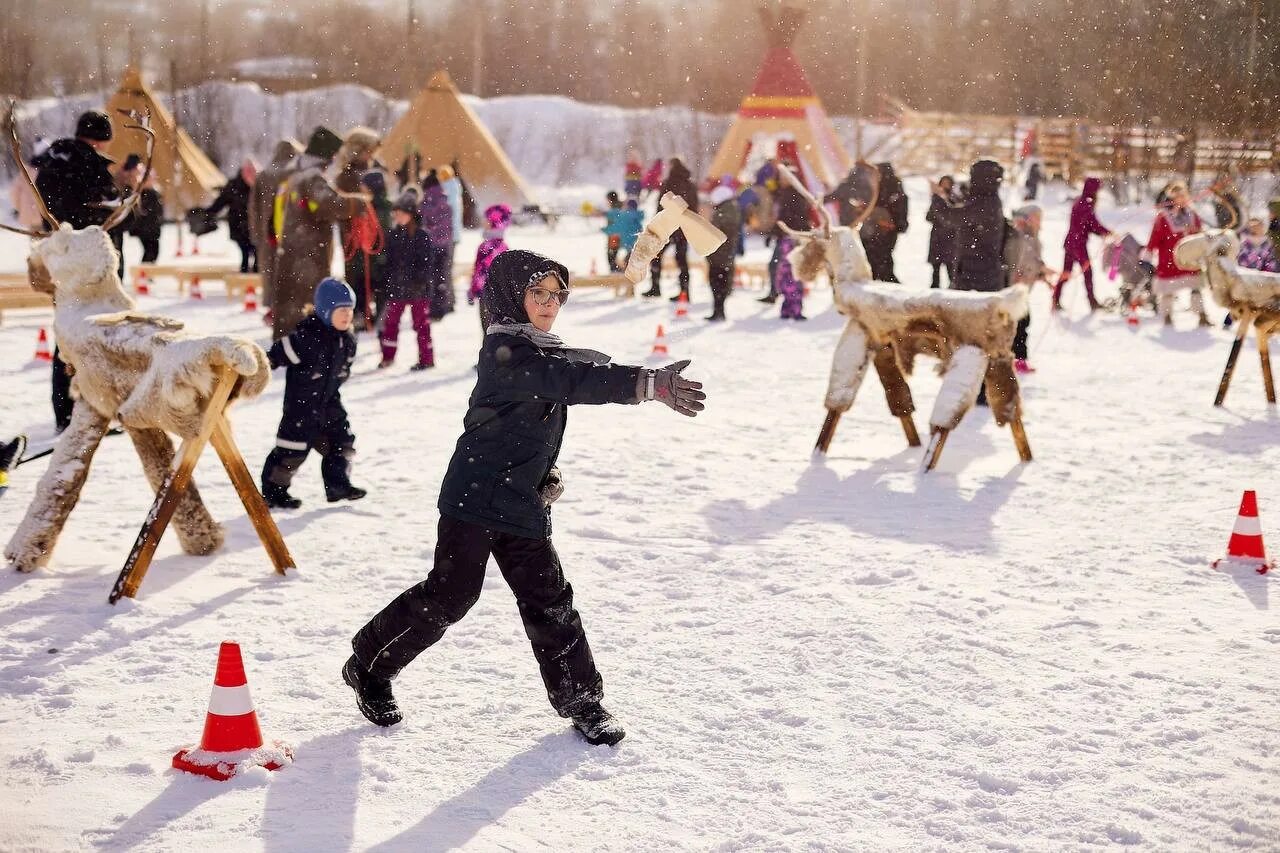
(318, 355)
(497, 494)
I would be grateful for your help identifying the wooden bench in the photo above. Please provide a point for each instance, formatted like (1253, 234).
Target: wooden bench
(186, 275)
(621, 285)
(16, 292)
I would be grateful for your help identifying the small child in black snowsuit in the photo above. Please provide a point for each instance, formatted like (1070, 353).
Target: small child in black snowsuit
(497, 494)
(318, 355)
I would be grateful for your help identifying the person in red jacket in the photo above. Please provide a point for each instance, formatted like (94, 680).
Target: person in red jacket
(1075, 249)
(1175, 221)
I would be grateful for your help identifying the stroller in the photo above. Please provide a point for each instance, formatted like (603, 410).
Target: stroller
(1124, 257)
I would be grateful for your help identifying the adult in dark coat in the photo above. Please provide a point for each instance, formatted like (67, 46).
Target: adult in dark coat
(356, 158)
(679, 181)
(942, 239)
(726, 216)
(852, 194)
(262, 211)
(234, 199)
(888, 220)
(497, 494)
(74, 181)
(980, 231)
(147, 220)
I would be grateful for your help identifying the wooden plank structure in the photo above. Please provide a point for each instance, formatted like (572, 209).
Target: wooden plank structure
(16, 292)
(216, 429)
(185, 274)
(1072, 147)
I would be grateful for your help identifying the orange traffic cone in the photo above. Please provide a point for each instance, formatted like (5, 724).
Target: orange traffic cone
(1132, 318)
(140, 286)
(1245, 546)
(43, 353)
(232, 741)
(682, 305)
(195, 288)
(195, 245)
(660, 342)
(250, 298)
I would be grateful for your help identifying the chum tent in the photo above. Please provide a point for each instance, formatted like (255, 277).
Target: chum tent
(782, 112)
(440, 129)
(185, 175)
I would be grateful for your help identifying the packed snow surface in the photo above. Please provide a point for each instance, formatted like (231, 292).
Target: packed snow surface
(830, 654)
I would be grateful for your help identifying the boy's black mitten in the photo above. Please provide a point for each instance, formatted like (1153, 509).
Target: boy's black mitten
(667, 386)
(552, 487)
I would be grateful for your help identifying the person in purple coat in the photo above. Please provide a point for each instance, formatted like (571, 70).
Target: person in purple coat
(1084, 221)
(437, 222)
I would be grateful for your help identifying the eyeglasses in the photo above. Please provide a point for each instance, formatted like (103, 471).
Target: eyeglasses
(542, 296)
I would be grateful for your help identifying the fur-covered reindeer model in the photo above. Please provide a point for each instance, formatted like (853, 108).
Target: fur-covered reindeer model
(1251, 296)
(138, 369)
(971, 333)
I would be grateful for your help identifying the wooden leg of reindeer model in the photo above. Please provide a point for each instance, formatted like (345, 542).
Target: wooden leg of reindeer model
(144, 548)
(1243, 330)
(254, 505)
(896, 392)
(198, 532)
(1005, 399)
(32, 543)
(933, 452)
(828, 431)
(1020, 438)
(1264, 352)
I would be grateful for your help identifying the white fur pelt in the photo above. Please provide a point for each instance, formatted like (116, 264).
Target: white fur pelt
(1233, 287)
(139, 369)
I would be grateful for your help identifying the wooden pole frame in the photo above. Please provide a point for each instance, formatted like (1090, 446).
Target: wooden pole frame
(215, 429)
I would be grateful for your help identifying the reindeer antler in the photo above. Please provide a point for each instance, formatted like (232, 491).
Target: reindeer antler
(144, 125)
(823, 215)
(15, 148)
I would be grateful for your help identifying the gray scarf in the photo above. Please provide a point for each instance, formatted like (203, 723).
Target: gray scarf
(546, 340)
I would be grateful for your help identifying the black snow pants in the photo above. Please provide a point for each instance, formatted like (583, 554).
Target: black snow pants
(721, 280)
(417, 618)
(681, 245)
(61, 396)
(329, 435)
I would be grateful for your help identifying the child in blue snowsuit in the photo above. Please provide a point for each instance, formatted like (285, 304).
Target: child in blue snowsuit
(630, 222)
(318, 355)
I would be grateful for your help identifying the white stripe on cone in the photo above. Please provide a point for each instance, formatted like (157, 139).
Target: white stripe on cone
(1247, 525)
(230, 701)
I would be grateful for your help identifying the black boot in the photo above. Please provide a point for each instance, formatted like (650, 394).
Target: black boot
(278, 497)
(596, 725)
(373, 694)
(344, 493)
(652, 291)
(770, 298)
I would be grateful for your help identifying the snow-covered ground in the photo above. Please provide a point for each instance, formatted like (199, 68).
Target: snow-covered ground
(832, 654)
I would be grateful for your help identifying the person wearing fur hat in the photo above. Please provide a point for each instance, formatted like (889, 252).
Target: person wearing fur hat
(409, 276)
(317, 356)
(311, 204)
(498, 218)
(726, 216)
(262, 210)
(497, 495)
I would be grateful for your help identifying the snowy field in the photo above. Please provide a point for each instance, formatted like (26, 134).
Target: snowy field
(840, 654)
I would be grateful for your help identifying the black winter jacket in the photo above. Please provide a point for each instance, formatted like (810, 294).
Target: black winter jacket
(410, 264)
(73, 179)
(514, 427)
(980, 232)
(318, 358)
(680, 181)
(235, 198)
(147, 219)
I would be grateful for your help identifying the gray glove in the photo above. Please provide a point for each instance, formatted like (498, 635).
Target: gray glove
(552, 487)
(667, 386)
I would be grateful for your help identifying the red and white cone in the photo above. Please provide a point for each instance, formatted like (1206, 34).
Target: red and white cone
(250, 298)
(232, 741)
(1245, 547)
(140, 285)
(1132, 318)
(660, 342)
(593, 267)
(43, 353)
(195, 288)
(682, 305)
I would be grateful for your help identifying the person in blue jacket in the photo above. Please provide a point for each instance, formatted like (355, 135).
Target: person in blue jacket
(497, 495)
(317, 354)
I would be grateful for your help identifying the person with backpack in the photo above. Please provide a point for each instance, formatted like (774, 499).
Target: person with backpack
(497, 496)
(887, 221)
